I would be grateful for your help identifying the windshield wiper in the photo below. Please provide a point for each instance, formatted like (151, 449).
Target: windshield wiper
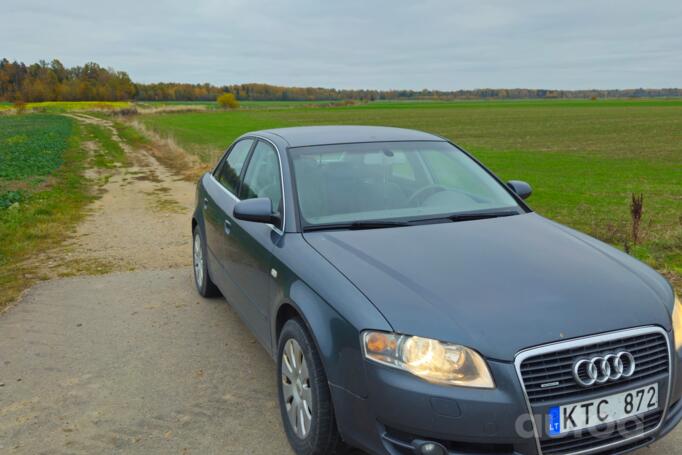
(377, 224)
(357, 225)
(464, 216)
(479, 215)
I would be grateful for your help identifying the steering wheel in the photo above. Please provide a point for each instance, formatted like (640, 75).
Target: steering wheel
(423, 193)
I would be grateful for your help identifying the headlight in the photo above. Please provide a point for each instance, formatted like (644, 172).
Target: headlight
(432, 360)
(677, 323)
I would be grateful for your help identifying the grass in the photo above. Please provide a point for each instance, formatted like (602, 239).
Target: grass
(130, 135)
(49, 210)
(541, 103)
(163, 149)
(584, 158)
(243, 104)
(109, 154)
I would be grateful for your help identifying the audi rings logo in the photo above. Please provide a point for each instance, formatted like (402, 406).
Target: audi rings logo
(603, 369)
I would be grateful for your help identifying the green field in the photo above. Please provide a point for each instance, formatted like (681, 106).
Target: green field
(584, 158)
(212, 105)
(30, 149)
(42, 191)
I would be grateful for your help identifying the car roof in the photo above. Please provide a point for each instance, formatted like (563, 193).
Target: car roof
(302, 136)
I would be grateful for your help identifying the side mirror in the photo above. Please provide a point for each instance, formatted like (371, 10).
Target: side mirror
(521, 188)
(258, 210)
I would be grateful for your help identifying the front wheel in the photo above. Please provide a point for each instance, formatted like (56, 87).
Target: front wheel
(202, 280)
(304, 397)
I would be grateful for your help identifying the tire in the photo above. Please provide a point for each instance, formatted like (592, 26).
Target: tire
(304, 393)
(202, 280)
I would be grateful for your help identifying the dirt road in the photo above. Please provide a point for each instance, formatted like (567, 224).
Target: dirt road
(141, 221)
(134, 361)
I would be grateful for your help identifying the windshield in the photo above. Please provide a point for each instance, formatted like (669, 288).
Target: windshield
(350, 183)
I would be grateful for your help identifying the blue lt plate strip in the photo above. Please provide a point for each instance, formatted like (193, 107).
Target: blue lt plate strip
(555, 421)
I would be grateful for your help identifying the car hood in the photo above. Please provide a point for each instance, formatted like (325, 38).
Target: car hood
(497, 285)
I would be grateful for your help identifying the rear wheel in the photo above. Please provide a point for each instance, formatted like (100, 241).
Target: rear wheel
(202, 280)
(304, 397)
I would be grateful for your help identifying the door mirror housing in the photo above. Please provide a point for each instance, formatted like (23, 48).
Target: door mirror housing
(258, 210)
(521, 188)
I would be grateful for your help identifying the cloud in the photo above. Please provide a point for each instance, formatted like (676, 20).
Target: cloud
(439, 44)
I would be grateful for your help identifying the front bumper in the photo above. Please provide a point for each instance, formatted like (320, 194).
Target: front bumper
(401, 410)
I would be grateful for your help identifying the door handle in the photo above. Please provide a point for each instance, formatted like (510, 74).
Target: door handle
(205, 203)
(227, 226)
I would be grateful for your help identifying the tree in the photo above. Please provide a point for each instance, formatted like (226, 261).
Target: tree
(228, 101)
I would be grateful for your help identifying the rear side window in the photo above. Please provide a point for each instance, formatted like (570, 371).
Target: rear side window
(229, 172)
(262, 177)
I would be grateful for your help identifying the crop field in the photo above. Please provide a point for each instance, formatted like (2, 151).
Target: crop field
(42, 190)
(31, 147)
(584, 159)
(64, 106)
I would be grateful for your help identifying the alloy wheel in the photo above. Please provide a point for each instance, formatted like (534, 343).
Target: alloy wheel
(298, 397)
(198, 260)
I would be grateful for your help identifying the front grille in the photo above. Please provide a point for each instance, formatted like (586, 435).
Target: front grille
(650, 352)
(552, 366)
(586, 441)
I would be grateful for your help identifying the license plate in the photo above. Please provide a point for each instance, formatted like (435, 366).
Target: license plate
(588, 414)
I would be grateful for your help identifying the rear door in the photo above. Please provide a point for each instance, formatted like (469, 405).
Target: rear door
(247, 257)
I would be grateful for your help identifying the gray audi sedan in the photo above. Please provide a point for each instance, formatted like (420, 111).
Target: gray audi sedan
(415, 304)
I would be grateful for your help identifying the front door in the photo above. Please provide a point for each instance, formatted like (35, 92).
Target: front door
(220, 197)
(248, 258)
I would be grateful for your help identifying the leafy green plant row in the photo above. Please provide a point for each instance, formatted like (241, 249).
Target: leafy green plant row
(32, 145)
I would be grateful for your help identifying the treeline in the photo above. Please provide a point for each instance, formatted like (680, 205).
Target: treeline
(266, 92)
(52, 81)
(172, 91)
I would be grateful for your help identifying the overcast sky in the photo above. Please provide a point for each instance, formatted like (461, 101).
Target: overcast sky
(381, 44)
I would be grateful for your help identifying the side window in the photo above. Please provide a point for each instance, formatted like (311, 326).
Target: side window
(229, 172)
(262, 178)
